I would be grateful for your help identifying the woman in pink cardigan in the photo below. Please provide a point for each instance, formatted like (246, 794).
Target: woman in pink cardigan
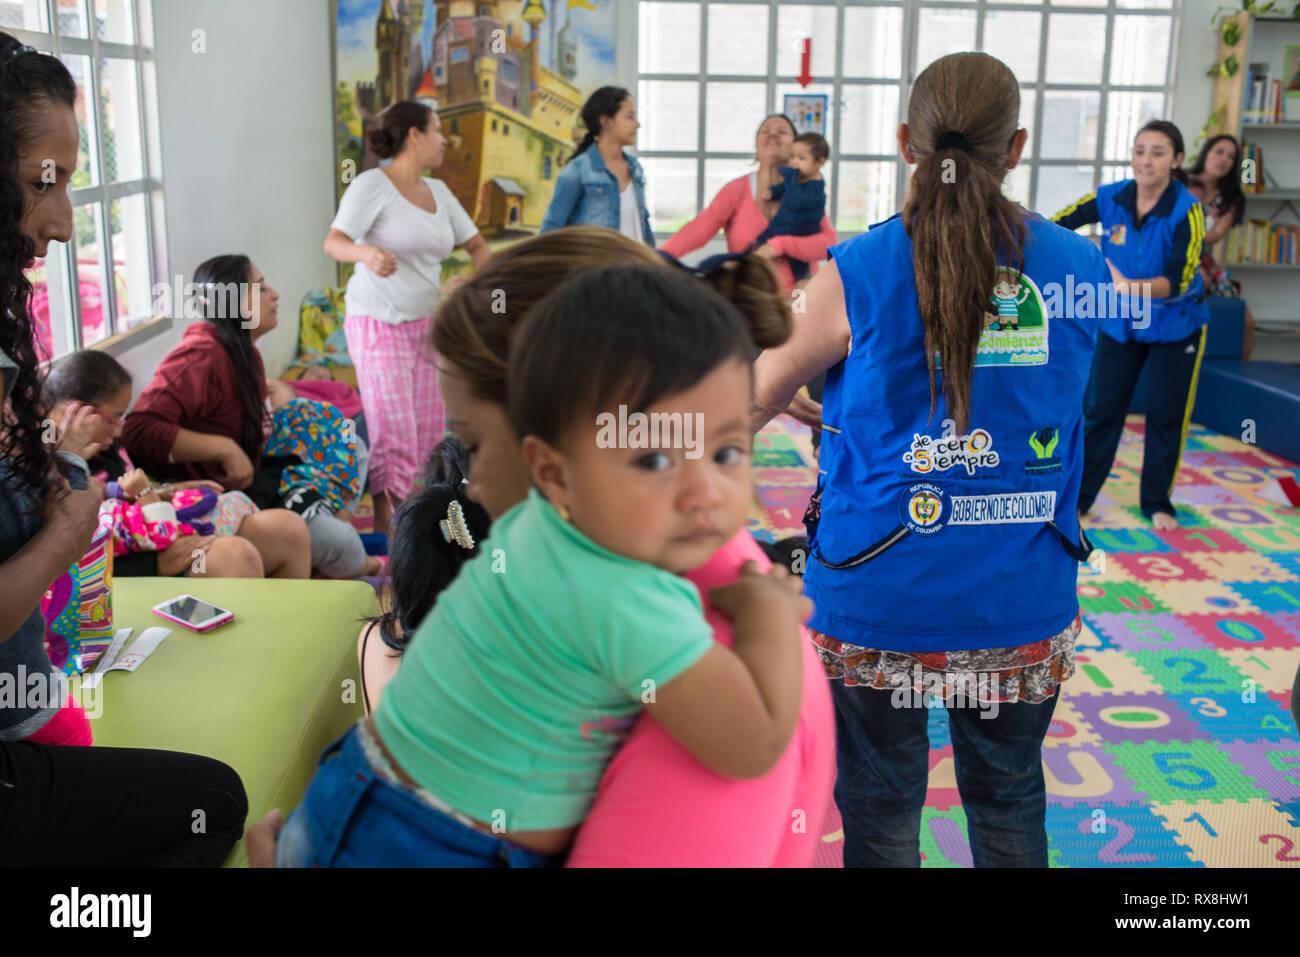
(739, 211)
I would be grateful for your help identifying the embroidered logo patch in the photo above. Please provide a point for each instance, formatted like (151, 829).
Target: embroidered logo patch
(1044, 442)
(973, 451)
(1116, 235)
(1015, 325)
(923, 508)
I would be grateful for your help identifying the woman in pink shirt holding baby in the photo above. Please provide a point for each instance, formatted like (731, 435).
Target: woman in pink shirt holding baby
(742, 212)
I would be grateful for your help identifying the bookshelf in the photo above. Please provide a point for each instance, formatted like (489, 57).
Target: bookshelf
(1272, 290)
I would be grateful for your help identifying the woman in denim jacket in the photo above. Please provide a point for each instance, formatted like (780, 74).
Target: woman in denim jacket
(604, 186)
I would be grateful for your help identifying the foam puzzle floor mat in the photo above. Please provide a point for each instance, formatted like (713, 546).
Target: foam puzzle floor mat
(1173, 745)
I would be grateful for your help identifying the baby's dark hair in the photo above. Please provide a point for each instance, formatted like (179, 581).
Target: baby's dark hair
(423, 562)
(88, 376)
(622, 335)
(817, 145)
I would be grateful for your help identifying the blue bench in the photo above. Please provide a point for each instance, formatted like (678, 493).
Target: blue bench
(1232, 391)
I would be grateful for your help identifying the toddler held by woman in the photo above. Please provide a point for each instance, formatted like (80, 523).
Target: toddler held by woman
(488, 745)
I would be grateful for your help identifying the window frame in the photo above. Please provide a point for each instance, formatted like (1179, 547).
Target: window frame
(911, 13)
(149, 185)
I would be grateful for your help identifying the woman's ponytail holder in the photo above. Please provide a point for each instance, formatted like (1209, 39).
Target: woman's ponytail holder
(952, 139)
(705, 268)
(455, 529)
(16, 52)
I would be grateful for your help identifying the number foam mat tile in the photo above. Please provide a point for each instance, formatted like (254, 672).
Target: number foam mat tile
(1173, 745)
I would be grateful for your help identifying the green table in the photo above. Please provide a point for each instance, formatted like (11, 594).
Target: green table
(265, 693)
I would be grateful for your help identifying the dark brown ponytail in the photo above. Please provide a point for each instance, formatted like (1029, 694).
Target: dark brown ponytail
(389, 138)
(956, 214)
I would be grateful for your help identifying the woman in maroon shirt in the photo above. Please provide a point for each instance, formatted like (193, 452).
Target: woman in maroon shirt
(205, 416)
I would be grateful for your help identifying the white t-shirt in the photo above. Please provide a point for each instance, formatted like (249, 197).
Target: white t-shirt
(629, 214)
(374, 213)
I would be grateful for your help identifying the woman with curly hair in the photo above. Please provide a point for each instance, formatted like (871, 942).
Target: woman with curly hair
(138, 804)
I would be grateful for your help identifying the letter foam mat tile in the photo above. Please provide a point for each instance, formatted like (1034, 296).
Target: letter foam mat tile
(1200, 593)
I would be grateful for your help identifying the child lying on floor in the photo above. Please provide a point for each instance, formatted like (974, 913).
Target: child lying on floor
(487, 746)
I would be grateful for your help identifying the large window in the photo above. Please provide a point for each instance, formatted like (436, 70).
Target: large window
(1091, 73)
(101, 283)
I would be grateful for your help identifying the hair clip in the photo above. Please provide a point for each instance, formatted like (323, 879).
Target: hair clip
(454, 527)
(15, 53)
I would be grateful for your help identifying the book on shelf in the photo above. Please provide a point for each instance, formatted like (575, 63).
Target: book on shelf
(1259, 242)
(1252, 159)
(1291, 83)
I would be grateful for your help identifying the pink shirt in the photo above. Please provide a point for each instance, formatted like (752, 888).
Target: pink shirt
(735, 211)
(657, 806)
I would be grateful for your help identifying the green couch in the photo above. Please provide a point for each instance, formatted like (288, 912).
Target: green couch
(265, 693)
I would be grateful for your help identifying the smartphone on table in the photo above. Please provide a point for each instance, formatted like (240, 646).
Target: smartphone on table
(193, 613)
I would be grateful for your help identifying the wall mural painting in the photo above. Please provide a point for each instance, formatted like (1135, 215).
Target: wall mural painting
(508, 79)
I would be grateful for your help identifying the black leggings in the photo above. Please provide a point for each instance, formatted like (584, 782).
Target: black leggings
(116, 807)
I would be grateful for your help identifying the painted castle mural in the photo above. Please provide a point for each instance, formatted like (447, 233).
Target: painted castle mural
(507, 77)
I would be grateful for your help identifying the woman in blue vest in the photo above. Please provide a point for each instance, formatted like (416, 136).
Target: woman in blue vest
(1152, 229)
(604, 185)
(943, 536)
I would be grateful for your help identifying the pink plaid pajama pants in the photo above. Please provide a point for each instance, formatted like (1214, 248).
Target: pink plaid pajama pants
(399, 391)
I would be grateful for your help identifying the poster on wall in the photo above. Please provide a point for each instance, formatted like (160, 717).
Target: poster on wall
(507, 77)
(807, 111)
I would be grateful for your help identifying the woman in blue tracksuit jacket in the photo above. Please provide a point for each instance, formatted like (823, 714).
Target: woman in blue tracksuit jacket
(604, 186)
(1152, 231)
(943, 538)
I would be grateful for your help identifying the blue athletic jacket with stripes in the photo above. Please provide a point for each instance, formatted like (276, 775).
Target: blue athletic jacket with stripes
(924, 540)
(1168, 244)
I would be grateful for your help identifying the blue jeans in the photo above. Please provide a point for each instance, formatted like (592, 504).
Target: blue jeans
(883, 762)
(351, 817)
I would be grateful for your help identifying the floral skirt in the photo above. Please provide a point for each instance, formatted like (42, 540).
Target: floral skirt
(1029, 673)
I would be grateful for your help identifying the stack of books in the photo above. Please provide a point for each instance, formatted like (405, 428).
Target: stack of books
(1272, 97)
(1259, 242)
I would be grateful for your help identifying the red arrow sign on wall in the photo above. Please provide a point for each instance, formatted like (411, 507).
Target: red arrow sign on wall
(805, 76)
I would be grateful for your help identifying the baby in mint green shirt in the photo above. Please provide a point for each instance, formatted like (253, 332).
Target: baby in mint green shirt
(631, 389)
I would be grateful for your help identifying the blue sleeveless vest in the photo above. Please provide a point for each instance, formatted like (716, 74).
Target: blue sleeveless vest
(940, 541)
(1144, 252)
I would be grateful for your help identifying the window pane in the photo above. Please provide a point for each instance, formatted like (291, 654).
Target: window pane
(738, 39)
(87, 173)
(1080, 3)
(943, 32)
(866, 194)
(873, 42)
(1059, 186)
(669, 111)
(144, 15)
(1126, 113)
(132, 283)
(114, 21)
(1149, 4)
(1069, 125)
(868, 119)
(158, 224)
(1028, 100)
(669, 38)
(152, 134)
(52, 333)
(719, 172)
(1076, 43)
(1141, 52)
(123, 159)
(23, 15)
(88, 229)
(1013, 37)
(794, 24)
(1113, 174)
(1016, 185)
(72, 18)
(670, 192)
(732, 114)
